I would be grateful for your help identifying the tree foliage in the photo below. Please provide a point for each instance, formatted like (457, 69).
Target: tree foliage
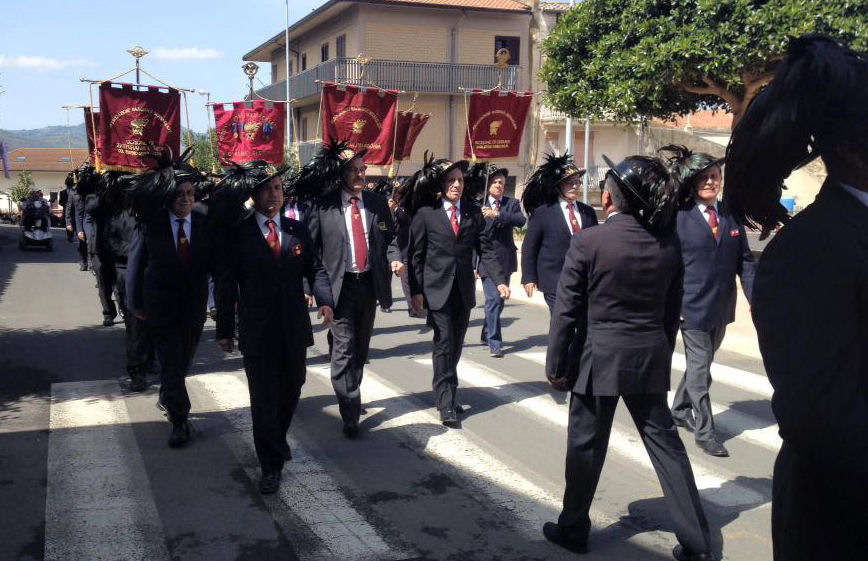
(21, 189)
(627, 59)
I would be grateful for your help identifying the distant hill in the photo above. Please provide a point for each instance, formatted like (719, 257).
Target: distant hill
(49, 137)
(46, 137)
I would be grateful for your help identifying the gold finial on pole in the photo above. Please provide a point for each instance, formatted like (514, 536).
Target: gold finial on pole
(137, 52)
(251, 68)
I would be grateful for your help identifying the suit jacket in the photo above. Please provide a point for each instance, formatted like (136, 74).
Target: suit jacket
(272, 310)
(500, 231)
(810, 308)
(710, 268)
(69, 208)
(157, 283)
(328, 232)
(546, 243)
(438, 258)
(619, 293)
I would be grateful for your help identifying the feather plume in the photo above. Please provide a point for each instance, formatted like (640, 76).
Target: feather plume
(321, 176)
(541, 187)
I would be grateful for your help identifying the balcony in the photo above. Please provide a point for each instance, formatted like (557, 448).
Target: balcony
(423, 77)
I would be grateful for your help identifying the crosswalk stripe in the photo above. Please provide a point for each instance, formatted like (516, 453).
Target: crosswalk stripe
(97, 503)
(733, 377)
(508, 489)
(715, 487)
(731, 421)
(307, 488)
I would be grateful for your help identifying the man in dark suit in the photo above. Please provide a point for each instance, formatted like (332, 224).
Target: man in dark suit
(353, 232)
(552, 224)
(620, 293)
(502, 214)
(714, 249)
(443, 238)
(171, 255)
(268, 256)
(75, 223)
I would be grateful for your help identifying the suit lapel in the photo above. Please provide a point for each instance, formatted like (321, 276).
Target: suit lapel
(284, 237)
(369, 214)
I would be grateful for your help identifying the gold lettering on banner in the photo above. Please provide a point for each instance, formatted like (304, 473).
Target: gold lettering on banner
(359, 126)
(127, 110)
(493, 127)
(138, 126)
(353, 109)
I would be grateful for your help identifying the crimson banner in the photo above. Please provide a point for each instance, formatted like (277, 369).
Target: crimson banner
(137, 125)
(89, 125)
(407, 129)
(364, 117)
(496, 123)
(250, 133)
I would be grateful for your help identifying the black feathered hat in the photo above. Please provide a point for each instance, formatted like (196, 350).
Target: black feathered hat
(322, 175)
(154, 191)
(423, 187)
(542, 186)
(814, 106)
(649, 189)
(685, 166)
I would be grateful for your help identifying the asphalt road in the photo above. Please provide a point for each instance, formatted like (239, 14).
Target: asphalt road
(85, 472)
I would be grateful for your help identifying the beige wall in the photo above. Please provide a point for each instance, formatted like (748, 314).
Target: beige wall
(397, 41)
(48, 181)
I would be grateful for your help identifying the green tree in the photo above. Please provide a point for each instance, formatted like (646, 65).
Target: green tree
(204, 150)
(21, 189)
(627, 59)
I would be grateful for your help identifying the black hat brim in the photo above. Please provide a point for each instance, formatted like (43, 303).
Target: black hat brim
(622, 181)
(264, 182)
(360, 154)
(463, 165)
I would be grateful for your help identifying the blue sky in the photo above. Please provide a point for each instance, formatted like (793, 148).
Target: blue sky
(46, 46)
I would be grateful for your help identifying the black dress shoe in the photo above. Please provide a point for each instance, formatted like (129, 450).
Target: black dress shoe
(82, 267)
(269, 483)
(108, 322)
(713, 448)
(448, 416)
(138, 382)
(351, 429)
(687, 423)
(554, 534)
(681, 554)
(459, 409)
(180, 434)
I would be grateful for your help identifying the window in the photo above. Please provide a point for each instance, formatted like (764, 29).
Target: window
(324, 52)
(64, 159)
(341, 46)
(20, 158)
(303, 62)
(511, 45)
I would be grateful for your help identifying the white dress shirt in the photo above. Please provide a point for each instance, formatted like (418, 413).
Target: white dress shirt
(262, 221)
(702, 206)
(447, 206)
(188, 231)
(294, 208)
(492, 202)
(565, 209)
(347, 209)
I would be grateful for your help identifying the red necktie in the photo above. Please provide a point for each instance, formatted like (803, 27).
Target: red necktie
(183, 244)
(360, 246)
(497, 205)
(712, 222)
(574, 222)
(453, 219)
(273, 239)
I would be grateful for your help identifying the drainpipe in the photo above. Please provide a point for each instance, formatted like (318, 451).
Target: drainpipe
(536, 29)
(453, 52)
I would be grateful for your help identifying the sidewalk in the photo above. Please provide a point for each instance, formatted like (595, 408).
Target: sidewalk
(740, 335)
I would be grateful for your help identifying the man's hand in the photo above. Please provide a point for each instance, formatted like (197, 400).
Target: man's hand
(80, 236)
(418, 303)
(489, 212)
(559, 384)
(504, 291)
(397, 268)
(327, 315)
(69, 228)
(309, 299)
(226, 345)
(529, 288)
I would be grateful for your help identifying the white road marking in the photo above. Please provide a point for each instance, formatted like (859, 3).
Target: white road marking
(98, 504)
(307, 488)
(716, 487)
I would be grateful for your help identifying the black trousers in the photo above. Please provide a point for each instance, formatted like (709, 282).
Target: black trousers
(81, 247)
(176, 344)
(275, 382)
(106, 277)
(139, 346)
(450, 326)
(351, 339)
(590, 424)
(691, 397)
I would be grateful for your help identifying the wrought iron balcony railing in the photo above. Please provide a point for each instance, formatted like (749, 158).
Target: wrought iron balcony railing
(424, 77)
